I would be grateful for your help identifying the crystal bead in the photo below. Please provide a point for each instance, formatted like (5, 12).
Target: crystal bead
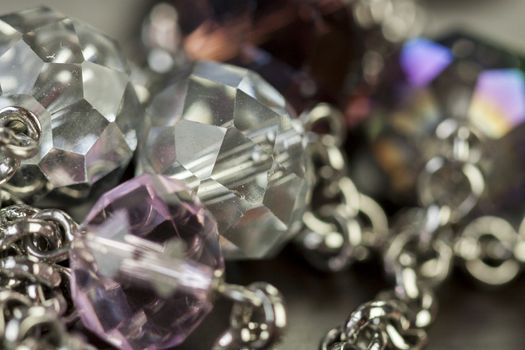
(75, 81)
(458, 78)
(231, 137)
(308, 50)
(144, 265)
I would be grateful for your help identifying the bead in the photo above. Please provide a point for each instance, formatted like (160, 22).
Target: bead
(231, 137)
(145, 264)
(433, 90)
(74, 80)
(308, 50)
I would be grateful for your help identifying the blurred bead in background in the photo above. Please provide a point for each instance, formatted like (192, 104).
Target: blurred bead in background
(430, 90)
(309, 50)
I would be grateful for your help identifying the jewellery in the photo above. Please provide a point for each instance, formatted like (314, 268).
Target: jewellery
(147, 267)
(342, 225)
(146, 263)
(67, 86)
(163, 274)
(308, 50)
(425, 240)
(233, 139)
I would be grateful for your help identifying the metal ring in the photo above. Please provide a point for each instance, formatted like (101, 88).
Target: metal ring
(388, 317)
(326, 113)
(23, 228)
(255, 327)
(19, 139)
(329, 244)
(330, 156)
(464, 140)
(432, 271)
(468, 171)
(27, 122)
(22, 267)
(66, 228)
(469, 249)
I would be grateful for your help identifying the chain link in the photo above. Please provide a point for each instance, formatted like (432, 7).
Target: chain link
(343, 225)
(257, 320)
(19, 139)
(34, 287)
(491, 250)
(420, 253)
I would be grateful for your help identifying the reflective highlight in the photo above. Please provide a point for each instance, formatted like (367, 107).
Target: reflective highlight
(423, 60)
(498, 103)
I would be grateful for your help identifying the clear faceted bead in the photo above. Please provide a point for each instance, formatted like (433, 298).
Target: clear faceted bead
(145, 264)
(231, 137)
(75, 81)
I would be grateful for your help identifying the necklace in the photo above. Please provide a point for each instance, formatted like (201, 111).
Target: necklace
(225, 168)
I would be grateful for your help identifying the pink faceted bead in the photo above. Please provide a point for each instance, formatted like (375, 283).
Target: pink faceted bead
(144, 266)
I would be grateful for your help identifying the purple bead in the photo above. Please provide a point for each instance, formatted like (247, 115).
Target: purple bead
(144, 266)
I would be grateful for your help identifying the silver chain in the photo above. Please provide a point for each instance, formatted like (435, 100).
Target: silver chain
(34, 287)
(34, 291)
(257, 320)
(35, 307)
(342, 225)
(424, 242)
(19, 139)
(492, 250)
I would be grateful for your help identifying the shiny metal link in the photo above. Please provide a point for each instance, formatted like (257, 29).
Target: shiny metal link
(343, 225)
(28, 326)
(397, 319)
(376, 325)
(420, 245)
(34, 288)
(491, 250)
(325, 122)
(19, 139)
(258, 317)
(42, 234)
(420, 253)
(452, 179)
(455, 186)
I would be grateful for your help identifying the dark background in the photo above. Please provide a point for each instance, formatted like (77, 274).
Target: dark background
(470, 317)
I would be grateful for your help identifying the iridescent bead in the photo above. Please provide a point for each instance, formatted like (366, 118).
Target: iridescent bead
(74, 80)
(144, 264)
(231, 137)
(458, 78)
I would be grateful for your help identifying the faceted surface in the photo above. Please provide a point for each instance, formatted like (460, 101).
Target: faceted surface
(75, 81)
(458, 77)
(230, 136)
(309, 50)
(143, 268)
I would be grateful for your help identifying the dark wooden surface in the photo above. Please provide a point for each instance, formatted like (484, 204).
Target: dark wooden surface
(470, 317)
